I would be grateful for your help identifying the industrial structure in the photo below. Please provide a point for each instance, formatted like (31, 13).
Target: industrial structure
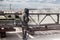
(24, 20)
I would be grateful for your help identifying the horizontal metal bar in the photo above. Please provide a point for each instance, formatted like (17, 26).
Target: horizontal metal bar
(6, 19)
(11, 14)
(31, 14)
(43, 24)
(44, 13)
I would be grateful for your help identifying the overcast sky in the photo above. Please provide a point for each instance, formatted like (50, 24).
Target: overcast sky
(20, 4)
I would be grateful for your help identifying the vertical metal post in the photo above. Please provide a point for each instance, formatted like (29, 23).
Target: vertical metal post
(57, 18)
(38, 17)
(10, 6)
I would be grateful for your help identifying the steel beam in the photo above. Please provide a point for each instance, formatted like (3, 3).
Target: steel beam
(57, 18)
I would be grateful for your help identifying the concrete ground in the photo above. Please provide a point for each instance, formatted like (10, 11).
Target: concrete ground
(39, 35)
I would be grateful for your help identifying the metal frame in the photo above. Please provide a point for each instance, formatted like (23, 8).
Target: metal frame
(46, 14)
(25, 25)
(42, 19)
